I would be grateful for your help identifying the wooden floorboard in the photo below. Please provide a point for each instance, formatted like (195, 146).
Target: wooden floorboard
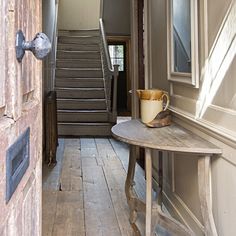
(49, 211)
(71, 174)
(99, 211)
(69, 219)
(84, 195)
(51, 174)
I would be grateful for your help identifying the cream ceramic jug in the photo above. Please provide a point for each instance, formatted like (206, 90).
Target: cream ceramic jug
(152, 103)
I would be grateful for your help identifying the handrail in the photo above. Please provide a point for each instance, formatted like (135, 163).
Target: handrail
(105, 46)
(110, 74)
(54, 47)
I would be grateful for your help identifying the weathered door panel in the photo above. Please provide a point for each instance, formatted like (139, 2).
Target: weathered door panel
(2, 57)
(20, 108)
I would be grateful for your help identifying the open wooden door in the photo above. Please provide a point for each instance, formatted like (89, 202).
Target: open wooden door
(20, 122)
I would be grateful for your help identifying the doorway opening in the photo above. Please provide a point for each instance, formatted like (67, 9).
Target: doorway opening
(119, 53)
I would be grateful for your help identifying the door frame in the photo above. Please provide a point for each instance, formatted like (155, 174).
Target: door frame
(124, 40)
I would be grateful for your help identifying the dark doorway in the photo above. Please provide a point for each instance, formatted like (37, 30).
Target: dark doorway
(118, 50)
(140, 44)
(140, 13)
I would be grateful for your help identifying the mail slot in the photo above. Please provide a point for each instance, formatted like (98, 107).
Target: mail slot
(17, 162)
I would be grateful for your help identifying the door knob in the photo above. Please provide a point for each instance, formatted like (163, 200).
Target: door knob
(40, 46)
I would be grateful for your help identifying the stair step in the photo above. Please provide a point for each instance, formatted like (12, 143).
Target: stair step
(79, 63)
(93, 32)
(79, 82)
(63, 54)
(78, 47)
(79, 39)
(79, 72)
(81, 104)
(82, 116)
(84, 129)
(80, 93)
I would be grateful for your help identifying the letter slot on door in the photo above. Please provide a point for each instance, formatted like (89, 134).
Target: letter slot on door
(17, 162)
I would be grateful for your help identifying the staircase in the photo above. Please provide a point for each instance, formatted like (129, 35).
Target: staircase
(82, 102)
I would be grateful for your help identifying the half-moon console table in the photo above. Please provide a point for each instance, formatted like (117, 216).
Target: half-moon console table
(173, 139)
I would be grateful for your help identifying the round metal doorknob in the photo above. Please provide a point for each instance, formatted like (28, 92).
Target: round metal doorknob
(40, 46)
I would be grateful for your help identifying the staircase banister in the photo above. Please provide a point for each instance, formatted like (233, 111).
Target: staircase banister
(106, 51)
(114, 99)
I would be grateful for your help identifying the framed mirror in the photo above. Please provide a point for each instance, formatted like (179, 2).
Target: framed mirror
(182, 35)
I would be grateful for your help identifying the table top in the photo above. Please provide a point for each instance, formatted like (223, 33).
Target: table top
(170, 138)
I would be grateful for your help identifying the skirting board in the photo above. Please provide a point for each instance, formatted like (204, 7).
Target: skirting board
(180, 211)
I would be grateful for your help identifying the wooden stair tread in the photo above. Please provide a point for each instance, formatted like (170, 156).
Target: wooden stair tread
(81, 51)
(82, 111)
(82, 106)
(80, 78)
(83, 89)
(78, 59)
(79, 69)
(81, 99)
(85, 123)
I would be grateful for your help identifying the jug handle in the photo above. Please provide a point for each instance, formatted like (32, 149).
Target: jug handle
(138, 92)
(167, 101)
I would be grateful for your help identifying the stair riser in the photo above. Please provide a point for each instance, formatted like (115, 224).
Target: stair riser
(81, 94)
(79, 83)
(78, 55)
(67, 63)
(79, 40)
(77, 105)
(82, 117)
(85, 130)
(78, 33)
(77, 47)
(81, 109)
(79, 73)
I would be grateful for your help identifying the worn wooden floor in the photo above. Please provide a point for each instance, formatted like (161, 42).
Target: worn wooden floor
(84, 193)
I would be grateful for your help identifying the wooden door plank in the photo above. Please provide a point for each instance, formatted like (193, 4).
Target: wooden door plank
(2, 55)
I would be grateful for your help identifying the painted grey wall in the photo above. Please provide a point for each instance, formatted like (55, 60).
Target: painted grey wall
(48, 17)
(158, 36)
(78, 14)
(116, 16)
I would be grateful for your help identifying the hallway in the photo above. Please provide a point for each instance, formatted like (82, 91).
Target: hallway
(84, 193)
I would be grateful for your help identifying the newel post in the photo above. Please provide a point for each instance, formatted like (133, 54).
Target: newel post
(114, 101)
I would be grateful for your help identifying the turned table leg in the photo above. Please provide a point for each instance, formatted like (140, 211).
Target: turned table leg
(204, 185)
(130, 195)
